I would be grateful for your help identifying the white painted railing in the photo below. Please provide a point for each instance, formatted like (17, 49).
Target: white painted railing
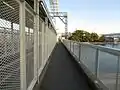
(102, 62)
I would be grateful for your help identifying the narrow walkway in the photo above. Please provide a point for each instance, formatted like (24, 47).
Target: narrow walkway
(63, 73)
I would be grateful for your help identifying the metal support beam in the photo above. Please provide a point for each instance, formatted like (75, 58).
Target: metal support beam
(22, 47)
(36, 44)
(37, 17)
(42, 42)
(63, 17)
(45, 39)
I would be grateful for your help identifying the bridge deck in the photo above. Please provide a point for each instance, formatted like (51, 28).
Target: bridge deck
(63, 73)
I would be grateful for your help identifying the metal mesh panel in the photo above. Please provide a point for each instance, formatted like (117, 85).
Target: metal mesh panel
(29, 19)
(88, 55)
(108, 69)
(76, 49)
(9, 45)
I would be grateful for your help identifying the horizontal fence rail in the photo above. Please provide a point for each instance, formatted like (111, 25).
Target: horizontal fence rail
(102, 62)
(26, 42)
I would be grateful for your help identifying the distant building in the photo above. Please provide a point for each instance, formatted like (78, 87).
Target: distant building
(109, 39)
(62, 35)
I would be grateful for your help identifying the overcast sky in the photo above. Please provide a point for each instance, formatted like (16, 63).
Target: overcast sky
(100, 16)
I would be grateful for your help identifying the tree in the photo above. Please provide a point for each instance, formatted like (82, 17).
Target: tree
(80, 36)
(84, 36)
(101, 38)
(94, 37)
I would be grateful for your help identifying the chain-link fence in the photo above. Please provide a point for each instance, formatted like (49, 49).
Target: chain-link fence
(9, 45)
(29, 19)
(18, 19)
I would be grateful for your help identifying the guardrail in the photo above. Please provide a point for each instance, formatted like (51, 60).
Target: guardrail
(102, 63)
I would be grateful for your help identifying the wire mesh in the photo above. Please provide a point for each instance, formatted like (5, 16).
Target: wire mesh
(88, 55)
(76, 49)
(29, 22)
(9, 45)
(108, 69)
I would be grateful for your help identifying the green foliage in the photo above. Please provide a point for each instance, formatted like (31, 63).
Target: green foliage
(101, 38)
(80, 35)
(94, 37)
(84, 36)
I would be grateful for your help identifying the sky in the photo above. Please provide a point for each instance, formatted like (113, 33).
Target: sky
(100, 16)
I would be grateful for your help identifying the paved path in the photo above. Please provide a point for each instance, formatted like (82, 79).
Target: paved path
(63, 73)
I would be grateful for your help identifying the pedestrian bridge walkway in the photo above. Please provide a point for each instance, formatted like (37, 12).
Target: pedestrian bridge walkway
(64, 73)
(30, 59)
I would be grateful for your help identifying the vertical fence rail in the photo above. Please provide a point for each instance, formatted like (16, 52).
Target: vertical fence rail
(22, 47)
(79, 52)
(36, 30)
(96, 62)
(73, 47)
(70, 45)
(42, 44)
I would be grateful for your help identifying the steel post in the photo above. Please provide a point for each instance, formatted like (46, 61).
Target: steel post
(79, 52)
(97, 63)
(22, 47)
(70, 45)
(73, 47)
(36, 44)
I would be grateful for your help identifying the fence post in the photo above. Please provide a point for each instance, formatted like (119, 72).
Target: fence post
(117, 74)
(96, 63)
(79, 52)
(45, 39)
(36, 44)
(42, 43)
(73, 47)
(70, 45)
(22, 47)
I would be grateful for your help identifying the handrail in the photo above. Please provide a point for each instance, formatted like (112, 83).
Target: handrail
(86, 60)
(109, 50)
